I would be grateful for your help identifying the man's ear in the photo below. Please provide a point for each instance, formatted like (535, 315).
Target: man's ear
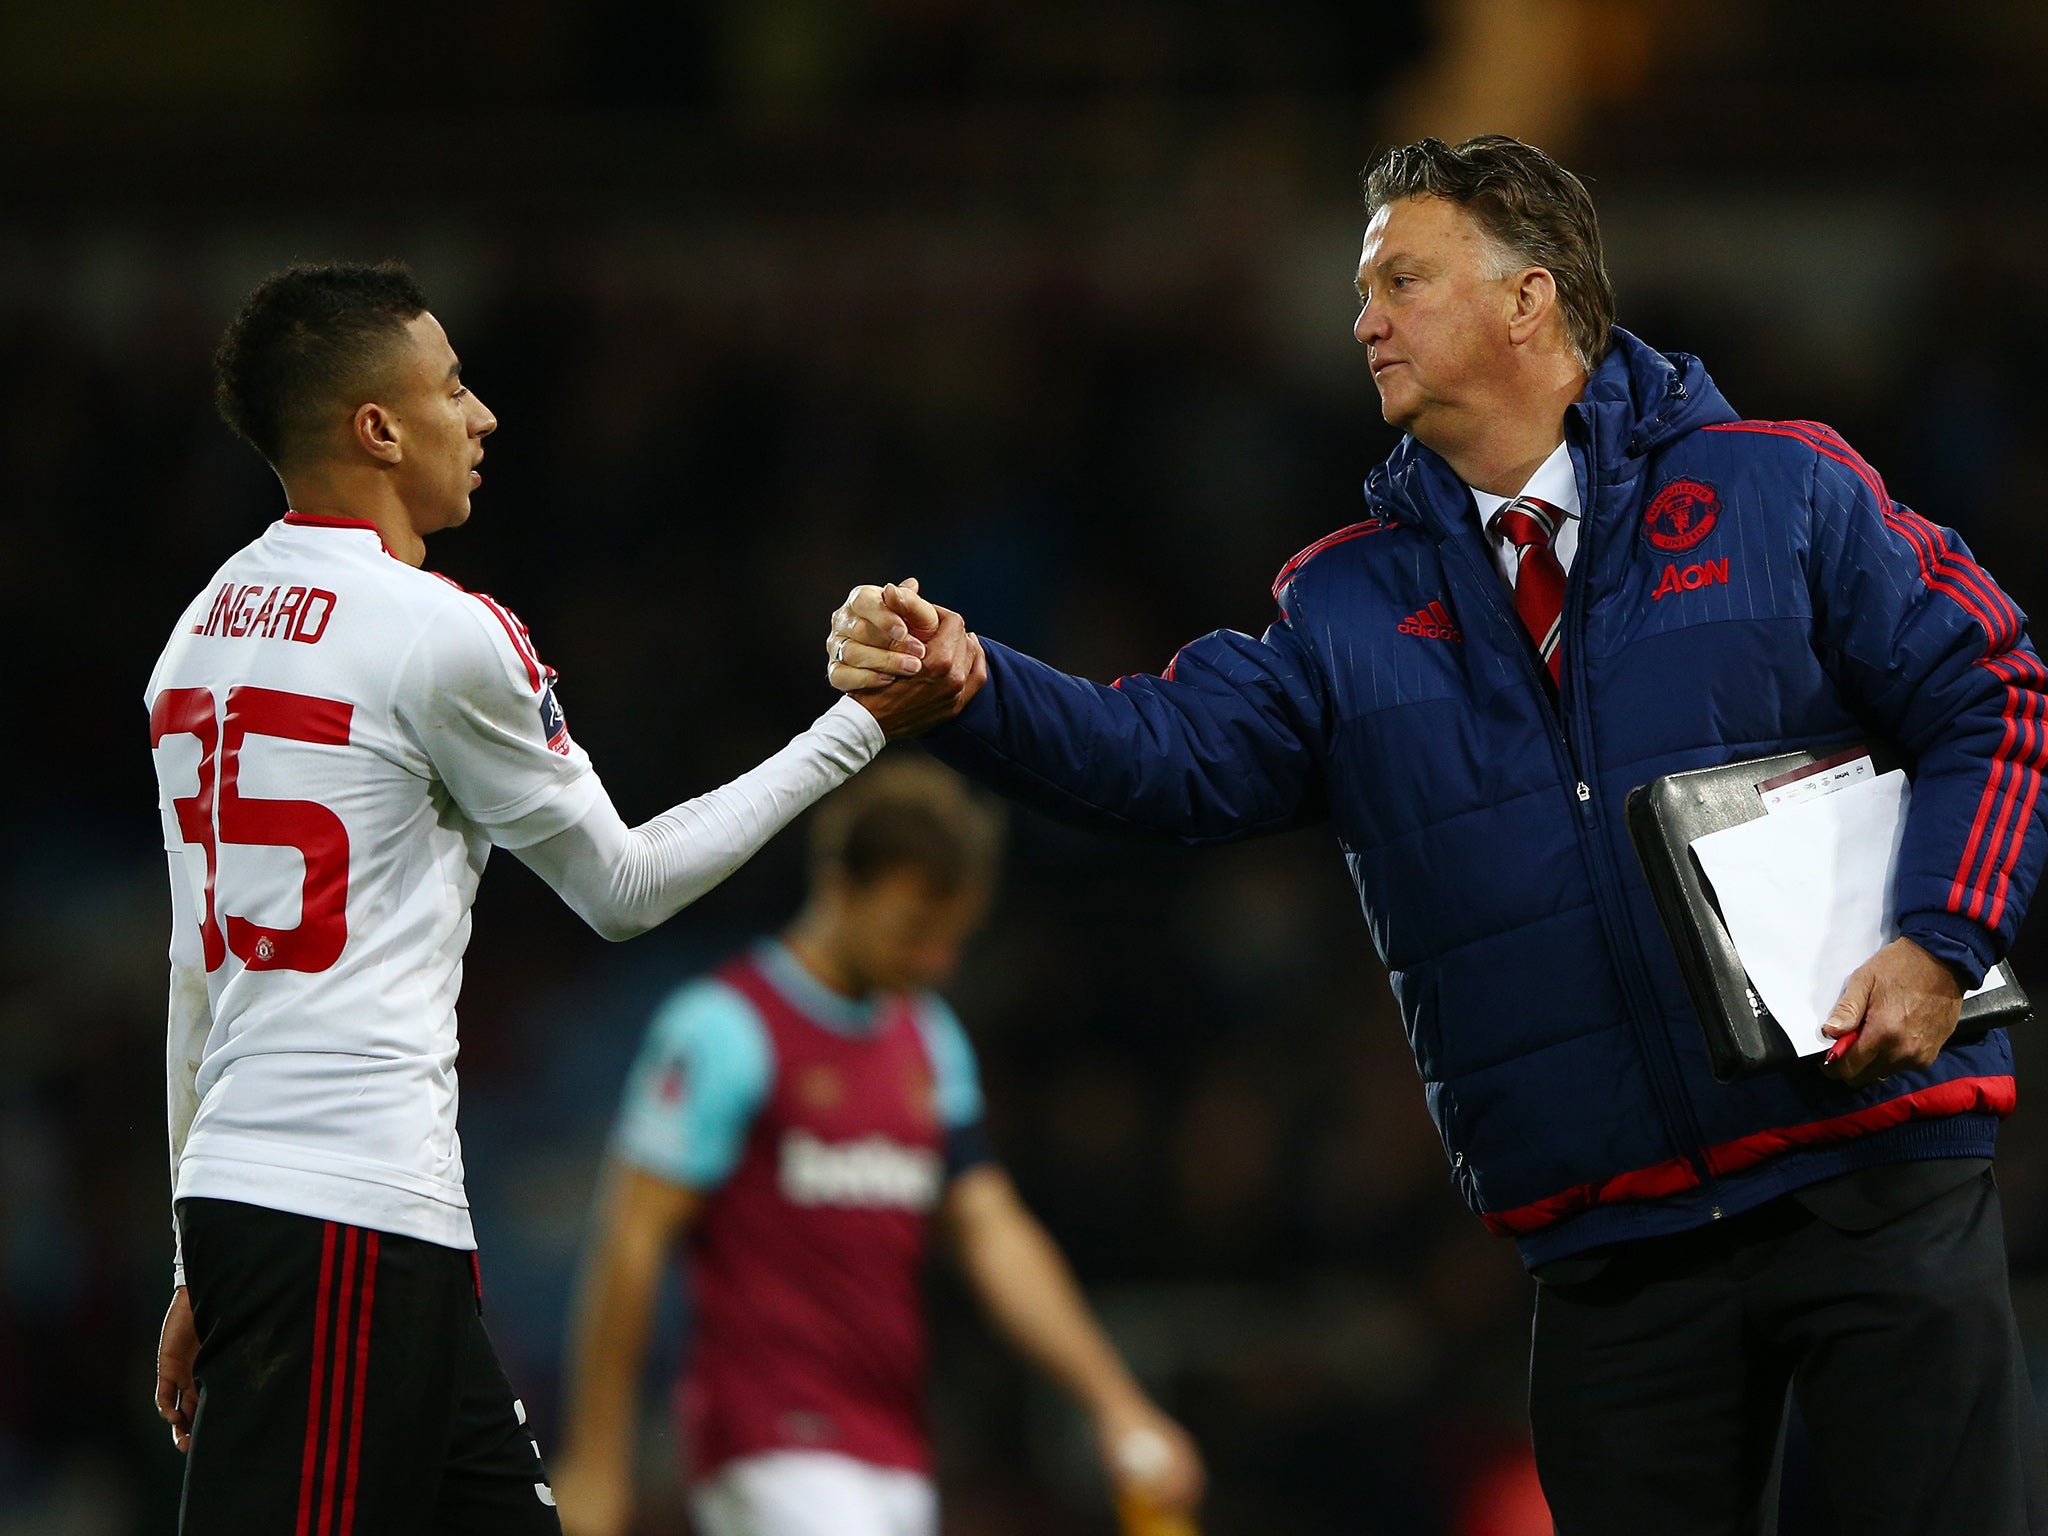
(376, 431)
(1534, 298)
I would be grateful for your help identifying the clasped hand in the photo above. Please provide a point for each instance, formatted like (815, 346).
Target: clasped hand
(911, 663)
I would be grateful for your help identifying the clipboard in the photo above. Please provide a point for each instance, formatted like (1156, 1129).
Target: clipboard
(1664, 817)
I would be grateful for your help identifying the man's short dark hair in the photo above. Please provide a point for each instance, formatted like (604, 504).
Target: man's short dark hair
(1538, 213)
(908, 814)
(308, 340)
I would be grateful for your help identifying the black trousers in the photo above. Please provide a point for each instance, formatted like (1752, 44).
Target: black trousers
(346, 1387)
(1658, 1388)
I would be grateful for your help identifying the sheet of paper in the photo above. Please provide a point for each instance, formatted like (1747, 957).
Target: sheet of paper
(1822, 778)
(1806, 893)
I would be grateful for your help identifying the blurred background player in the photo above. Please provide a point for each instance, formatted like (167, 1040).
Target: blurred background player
(798, 1119)
(340, 739)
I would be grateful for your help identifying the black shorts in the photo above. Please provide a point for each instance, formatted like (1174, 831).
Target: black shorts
(346, 1387)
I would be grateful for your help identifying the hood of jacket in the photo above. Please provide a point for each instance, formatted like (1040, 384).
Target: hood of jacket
(1636, 401)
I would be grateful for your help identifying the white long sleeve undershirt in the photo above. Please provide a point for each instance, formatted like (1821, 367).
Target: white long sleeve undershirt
(191, 1018)
(625, 880)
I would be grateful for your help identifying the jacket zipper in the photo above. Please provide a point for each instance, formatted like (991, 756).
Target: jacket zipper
(1658, 1056)
(1681, 1126)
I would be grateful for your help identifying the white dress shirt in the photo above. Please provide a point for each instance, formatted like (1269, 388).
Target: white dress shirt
(1556, 482)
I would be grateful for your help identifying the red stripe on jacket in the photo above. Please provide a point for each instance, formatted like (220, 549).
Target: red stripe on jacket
(1992, 794)
(1963, 1095)
(2023, 677)
(1935, 552)
(1997, 867)
(1940, 567)
(1327, 541)
(1983, 874)
(2038, 761)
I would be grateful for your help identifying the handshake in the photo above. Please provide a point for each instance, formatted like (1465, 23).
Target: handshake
(911, 663)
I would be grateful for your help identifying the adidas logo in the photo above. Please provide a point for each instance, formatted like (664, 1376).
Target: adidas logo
(1432, 623)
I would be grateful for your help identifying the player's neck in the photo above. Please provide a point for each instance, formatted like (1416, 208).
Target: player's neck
(365, 497)
(809, 938)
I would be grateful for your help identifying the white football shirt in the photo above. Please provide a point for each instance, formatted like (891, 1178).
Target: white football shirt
(339, 739)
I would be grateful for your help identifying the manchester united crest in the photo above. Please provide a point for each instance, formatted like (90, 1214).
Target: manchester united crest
(1680, 515)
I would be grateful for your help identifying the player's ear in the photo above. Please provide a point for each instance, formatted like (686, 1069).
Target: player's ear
(375, 430)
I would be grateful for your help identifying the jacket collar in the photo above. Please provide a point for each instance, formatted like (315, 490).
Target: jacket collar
(1637, 400)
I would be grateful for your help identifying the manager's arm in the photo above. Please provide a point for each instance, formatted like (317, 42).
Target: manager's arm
(1227, 743)
(1924, 643)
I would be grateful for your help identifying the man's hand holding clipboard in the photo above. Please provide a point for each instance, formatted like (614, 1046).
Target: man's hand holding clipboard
(1896, 1012)
(1800, 843)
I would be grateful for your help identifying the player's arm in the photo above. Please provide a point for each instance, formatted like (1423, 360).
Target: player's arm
(690, 1102)
(1227, 743)
(189, 1021)
(482, 711)
(1025, 1286)
(625, 880)
(640, 1219)
(177, 1353)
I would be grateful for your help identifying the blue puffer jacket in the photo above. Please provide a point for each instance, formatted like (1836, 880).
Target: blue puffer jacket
(1740, 588)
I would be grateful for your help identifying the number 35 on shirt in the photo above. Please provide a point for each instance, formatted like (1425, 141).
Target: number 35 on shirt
(216, 814)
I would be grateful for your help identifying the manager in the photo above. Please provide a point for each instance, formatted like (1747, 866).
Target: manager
(1581, 569)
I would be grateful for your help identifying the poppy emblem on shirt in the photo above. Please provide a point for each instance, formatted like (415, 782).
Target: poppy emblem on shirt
(1680, 515)
(820, 1088)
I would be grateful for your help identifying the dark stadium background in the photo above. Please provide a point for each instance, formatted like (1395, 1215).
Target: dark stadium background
(1046, 304)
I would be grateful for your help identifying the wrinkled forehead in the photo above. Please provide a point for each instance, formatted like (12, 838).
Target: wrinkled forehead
(1375, 233)
(1428, 229)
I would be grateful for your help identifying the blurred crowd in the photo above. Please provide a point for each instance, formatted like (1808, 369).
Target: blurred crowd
(1051, 313)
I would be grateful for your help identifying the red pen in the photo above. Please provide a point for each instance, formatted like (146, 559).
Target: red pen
(1841, 1047)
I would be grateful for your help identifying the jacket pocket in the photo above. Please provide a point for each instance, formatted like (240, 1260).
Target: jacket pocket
(1443, 1109)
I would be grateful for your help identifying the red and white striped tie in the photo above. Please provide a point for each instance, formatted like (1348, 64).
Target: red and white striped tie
(1530, 525)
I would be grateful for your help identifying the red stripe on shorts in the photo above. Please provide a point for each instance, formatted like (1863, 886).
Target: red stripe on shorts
(313, 1397)
(362, 1388)
(337, 1387)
